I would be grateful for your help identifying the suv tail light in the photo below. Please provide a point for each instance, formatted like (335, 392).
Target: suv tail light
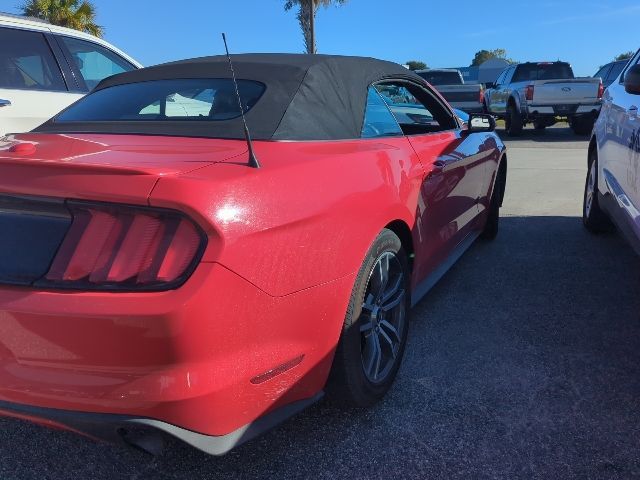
(600, 90)
(481, 96)
(109, 247)
(529, 93)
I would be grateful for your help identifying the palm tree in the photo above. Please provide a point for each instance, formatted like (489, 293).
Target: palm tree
(76, 14)
(307, 20)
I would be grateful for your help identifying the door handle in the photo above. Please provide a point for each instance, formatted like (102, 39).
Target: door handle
(439, 165)
(5, 103)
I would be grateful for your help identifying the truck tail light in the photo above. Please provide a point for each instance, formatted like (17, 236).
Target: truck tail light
(109, 247)
(529, 93)
(600, 90)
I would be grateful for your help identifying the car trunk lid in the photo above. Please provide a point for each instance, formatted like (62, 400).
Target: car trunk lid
(120, 168)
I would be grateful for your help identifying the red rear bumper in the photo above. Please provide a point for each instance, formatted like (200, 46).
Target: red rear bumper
(185, 357)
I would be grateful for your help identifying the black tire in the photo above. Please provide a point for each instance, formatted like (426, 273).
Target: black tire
(350, 385)
(490, 230)
(513, 121)
(582, 126)
(593, 218)
(539, 125)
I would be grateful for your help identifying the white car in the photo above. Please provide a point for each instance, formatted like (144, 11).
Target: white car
(612, 188)
(45, 68)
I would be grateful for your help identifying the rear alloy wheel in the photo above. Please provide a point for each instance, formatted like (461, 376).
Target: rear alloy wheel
(513, 121)
(375, 330)
(593, 218)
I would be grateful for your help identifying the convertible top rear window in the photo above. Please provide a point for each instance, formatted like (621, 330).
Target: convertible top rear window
(166, 100)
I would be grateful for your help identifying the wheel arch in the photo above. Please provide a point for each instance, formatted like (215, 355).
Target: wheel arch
(402, 230)
(514, 100)
(502, 176)
(593, 147)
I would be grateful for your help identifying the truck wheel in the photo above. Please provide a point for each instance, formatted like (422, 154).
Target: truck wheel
(539, 125)
(582, 125)
(513, 121)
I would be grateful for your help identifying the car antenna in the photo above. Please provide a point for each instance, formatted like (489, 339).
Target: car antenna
(253, 161)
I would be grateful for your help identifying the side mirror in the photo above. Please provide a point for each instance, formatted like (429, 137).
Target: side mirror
(632, 80)
(480, 122)
(489, 85)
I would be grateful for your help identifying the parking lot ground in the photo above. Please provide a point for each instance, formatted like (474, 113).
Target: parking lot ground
(523, 362)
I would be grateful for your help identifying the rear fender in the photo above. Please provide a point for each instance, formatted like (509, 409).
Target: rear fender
(307, 217)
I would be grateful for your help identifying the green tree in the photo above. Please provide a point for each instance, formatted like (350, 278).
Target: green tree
(76, 14)
(307, 20)
(416, 65)
(484, 55)
(624, 56)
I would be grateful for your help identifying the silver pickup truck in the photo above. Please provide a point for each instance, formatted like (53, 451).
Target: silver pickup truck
(467, 97)
(541, 93)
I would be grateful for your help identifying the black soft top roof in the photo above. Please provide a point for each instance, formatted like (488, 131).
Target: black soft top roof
(307, 97)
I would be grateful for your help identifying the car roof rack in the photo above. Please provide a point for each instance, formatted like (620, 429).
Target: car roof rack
(22, 17)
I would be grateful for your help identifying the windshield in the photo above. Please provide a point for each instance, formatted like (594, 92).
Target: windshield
(165, 100)
(542, 71)
(442, 78)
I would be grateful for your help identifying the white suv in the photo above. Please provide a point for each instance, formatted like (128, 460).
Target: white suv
(45, 68)
(612, 189)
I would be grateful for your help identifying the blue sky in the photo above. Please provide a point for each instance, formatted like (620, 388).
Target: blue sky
(441, 33)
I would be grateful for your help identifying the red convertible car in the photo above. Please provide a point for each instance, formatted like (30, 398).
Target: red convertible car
(155, 277)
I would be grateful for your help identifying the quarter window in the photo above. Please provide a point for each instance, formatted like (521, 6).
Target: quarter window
(378, 120)
(94, 62)
(602, 73)
(631, 63)
(615, 71)
(27, 63)
(509, 75)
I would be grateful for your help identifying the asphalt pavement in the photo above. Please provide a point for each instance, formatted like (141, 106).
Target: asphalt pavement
(523, 362)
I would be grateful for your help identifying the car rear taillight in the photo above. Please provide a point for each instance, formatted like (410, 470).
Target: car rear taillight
(481, 96)
(600, 90)
(125, 248)
(529, 93)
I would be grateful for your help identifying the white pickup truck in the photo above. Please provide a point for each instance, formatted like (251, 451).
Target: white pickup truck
(541, 93)
(467, 97)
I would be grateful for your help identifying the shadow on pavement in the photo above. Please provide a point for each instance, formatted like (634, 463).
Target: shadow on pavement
(523, 362)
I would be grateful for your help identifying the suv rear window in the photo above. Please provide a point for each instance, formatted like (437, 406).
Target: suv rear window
(441, 78)
(542, 71)
(165, 100)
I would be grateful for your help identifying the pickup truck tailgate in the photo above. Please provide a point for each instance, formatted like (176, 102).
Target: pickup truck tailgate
(460, 93)
(565, 92)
